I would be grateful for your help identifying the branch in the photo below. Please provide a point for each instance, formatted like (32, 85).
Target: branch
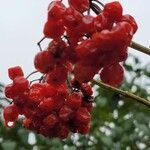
(31, 74)
(6, 99)
(140, 48)
(126, 94)
(1, 106)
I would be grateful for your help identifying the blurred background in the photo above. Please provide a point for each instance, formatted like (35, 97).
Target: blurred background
(117, 124)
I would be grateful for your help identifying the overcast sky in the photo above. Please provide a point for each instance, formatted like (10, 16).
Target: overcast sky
(21, 24)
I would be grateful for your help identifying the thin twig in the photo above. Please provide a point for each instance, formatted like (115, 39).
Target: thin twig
(1, 106)
(39, 43)
(98, 2)
(31, 74)
(40, 80)
(67, 38)
(126, 94)
(1, 85)
(88, 11)
(6, 99)
(98, 9)
(69, 84)
(140, 48)
(94, 9)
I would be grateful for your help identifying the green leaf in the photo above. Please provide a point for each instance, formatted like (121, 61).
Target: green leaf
(9, 145)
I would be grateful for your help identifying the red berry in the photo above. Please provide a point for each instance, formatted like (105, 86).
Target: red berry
(62, 91)
(15, 72)
(43, 61)
(36, 93)
(59, 103)
(84, 129)
(80, 5)
(53, 29)
(62, 131)
(46, 132)
(71, 55)
(112, 74)
(84, 73)
(56, 10)
(86, 89)
(27, 122)
(57, 51)
(83, 116)
(10, 113)
(49, 90)
(21, 83)
(47, 104)
(102, 22)
(50, 120)
(57, 48)
(114, 9)
(65, 113)
(88, 23)
(131, 20)
(122, 33)
(57, 76)
(28, 112)
(9, 91)
(74, 100)
(72, 19)
(85, 49)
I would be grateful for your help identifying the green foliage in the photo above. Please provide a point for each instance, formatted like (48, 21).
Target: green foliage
(117, 123)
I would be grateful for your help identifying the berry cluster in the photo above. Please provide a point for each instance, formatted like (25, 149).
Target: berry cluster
(96, 44)
(49, 109)
(81, 46)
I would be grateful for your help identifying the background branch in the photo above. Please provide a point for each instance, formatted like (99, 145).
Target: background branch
(140, 48)
(126, 94)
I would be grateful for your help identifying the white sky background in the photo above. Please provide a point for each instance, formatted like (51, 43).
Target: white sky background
(21, 25)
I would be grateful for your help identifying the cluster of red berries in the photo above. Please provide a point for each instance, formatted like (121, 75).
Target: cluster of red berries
(96, 44)
(50, 110)
(82, 46)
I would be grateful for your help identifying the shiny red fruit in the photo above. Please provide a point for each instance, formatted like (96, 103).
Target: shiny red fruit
(84, 73)
(65, 113)
(80, 5)
(112, 74)
(86, 89)
(50, 120)
(83, 116)
(9, 91)
(114, 9)
(56, 10)
(21, 84)
(53, 29)
(57, 76)
(74, 100)
(43, 62)
(72, 18)
(131, 21)
(36, 93)
(10, 113)
(47, 104)
(15, 72)
(84, 129)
